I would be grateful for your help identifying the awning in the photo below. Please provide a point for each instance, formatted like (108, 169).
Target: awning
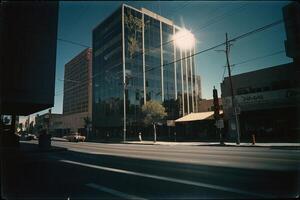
(197, 116)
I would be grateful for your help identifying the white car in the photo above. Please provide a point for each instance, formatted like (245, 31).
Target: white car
(74, 137)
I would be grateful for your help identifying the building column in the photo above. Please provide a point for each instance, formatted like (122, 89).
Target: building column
(187, 83)
(182, 85)
(143, 51)
(192, 81)
(124, 76)
(175, 66)
(161, 63)
(197, 86)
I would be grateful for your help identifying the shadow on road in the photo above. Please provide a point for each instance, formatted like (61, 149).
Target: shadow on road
(61, 174)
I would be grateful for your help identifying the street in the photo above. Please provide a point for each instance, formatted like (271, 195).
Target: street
(133, 171)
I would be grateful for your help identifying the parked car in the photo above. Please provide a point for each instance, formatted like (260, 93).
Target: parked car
(74, 137)
(30, 137)
(27, 136)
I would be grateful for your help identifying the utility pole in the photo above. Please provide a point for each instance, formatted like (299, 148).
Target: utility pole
(49, 122)
(232, 94)
(124, 121)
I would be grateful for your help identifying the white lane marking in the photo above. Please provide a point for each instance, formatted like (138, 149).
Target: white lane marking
(175, 180)
(113, 192)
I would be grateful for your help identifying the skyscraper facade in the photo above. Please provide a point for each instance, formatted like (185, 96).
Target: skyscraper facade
(77, 102)
(134, 51)
(77, 92)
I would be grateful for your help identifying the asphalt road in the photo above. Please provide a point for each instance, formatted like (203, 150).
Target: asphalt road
(127, 171)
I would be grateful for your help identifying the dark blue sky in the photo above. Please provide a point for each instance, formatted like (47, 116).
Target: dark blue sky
(207, 20)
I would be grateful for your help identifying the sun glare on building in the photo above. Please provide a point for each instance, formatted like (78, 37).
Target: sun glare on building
(184, 39)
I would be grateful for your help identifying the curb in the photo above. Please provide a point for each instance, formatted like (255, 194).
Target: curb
(225, 145)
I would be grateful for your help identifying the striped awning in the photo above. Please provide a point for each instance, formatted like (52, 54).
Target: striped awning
(197, 116)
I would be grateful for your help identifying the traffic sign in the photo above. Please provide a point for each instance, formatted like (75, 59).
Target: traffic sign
(238, 110)
(220, 123)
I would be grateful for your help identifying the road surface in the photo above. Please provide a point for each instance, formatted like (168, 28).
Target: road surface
(132, 171)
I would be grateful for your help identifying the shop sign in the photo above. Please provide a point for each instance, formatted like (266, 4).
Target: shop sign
(280, 96)
(220, 123)
(170, 122)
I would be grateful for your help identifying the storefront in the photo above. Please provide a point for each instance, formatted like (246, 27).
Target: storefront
(267, 106)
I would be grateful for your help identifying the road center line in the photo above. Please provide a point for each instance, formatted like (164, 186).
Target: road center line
(113, 192)
(175, 180)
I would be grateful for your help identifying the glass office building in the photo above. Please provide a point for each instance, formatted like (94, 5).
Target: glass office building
(134, 48)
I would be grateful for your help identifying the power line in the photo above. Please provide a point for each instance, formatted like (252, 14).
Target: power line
(224, 71)
(167, 42)
(223, 16)
(71, 42)
(251, 60)
(231, 12)
(256, 30)
(208, 23)
(211, 48)
(180, 7)
(231, 40)
(258, 58)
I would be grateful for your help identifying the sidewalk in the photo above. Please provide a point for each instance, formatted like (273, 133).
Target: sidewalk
(215, 144)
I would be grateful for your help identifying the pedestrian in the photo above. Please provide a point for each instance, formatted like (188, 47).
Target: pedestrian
(107, 136)
(175, 136)
(252, 131)
(140, 136)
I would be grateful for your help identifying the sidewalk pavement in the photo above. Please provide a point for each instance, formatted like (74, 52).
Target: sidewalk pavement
(215, 144)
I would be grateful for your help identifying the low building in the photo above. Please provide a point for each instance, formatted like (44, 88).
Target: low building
(206, 105)
(56, 126)
(267, 101)
(200, 125)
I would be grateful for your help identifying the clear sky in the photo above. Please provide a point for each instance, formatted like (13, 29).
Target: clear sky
(207, 20)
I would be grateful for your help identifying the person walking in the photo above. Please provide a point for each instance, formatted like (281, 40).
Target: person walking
(140, 136)
(252, 132)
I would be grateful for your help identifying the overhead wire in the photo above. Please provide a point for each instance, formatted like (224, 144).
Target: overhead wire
(251, 60)
(221, 44)
(216, 46)
(167, 42)
(72, 42)
(202, 51)
(230, 12)
(258, 58)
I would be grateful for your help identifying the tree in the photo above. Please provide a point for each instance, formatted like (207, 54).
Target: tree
(153, 113)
